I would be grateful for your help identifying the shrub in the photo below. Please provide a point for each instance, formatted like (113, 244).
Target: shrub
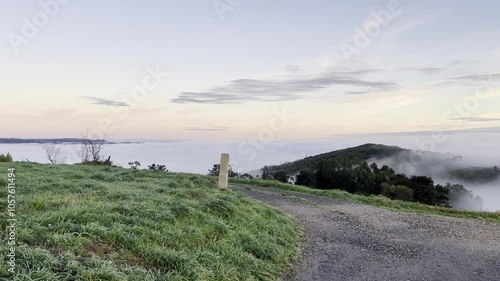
(134, 165)
(5, 157)
(106, 162)
(402, 192)
(397, 192)
(158, 167)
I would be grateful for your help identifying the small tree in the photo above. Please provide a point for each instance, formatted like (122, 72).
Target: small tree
(53, 154)
(6, 157)
(90, 151)
(134, 165)
(155, 167)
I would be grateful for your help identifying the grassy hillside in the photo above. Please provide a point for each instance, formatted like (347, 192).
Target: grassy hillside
(360, 153)
(103, 223)
(375, 200)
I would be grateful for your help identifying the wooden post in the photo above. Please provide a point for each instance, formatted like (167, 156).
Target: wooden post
(223, 170)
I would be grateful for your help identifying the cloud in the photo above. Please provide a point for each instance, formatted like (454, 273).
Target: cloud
(244, 90)
(488, 80)
(476, 119)
(425, 70)
(440, 129)
(101, 101)
(478, 78)
(211, 129)
(356, 92)
(461, 62)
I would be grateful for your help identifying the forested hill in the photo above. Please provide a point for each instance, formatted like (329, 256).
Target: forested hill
(433, 164)
(397, 173)
(355, 154)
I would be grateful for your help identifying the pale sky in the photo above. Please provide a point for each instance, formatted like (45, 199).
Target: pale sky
(338, 67)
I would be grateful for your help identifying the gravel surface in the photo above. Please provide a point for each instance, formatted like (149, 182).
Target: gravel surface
(349, 241)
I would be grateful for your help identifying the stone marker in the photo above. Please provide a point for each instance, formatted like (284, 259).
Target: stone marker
(223, 170)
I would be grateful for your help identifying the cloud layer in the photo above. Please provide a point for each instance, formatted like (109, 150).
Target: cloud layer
(101, 101)
(205, 129)
(244, 90)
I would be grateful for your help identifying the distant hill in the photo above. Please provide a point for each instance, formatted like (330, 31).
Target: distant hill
(42, 141)
(437, 165)
(362, 152)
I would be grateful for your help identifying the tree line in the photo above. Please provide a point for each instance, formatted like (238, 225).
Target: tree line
(214, 171)
(362, 178)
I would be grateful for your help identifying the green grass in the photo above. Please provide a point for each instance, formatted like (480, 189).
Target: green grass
(78, 222)
(379, 201)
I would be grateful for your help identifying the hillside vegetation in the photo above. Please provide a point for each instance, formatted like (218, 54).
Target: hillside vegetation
(433, 164)
(355, 170)
(354, 154)
(79, 222)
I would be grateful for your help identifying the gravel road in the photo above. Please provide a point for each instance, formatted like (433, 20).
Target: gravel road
(348, 241)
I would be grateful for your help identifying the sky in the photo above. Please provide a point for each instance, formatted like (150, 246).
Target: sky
(242, 69)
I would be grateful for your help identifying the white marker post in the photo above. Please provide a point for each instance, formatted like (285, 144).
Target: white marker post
(223, 170)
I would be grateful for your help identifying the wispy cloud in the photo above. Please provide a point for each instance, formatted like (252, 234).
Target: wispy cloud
(476, 119)
(461, 62)
(293, 88)
(476, 78)
(472, 79)
(425, 70)
(493, 130)
(213, 128)
(101, 101)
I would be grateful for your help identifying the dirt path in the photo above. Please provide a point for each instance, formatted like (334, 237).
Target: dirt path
(348, 241)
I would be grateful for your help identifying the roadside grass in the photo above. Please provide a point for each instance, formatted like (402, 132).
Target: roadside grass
(374, 200)
(78, 222)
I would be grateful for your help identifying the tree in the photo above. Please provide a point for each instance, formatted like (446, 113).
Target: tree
(397, 192)
(53, 154)
(281, 176)
(461, 198)
(423, 190)
(266, 174)
(246, 176)
(216, 169)
(91, 149)
(306, 178)
(134, 165)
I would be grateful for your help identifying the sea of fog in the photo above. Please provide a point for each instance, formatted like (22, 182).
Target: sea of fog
(481, 148)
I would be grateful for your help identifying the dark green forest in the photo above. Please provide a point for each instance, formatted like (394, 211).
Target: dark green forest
(348, 170)
(476, 174)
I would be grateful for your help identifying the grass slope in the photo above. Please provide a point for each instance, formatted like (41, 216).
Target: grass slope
(375, 200)
(103, 223)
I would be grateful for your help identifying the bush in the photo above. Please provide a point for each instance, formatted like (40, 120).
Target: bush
(134, 165)
(397, 192)
(106, 162)
(5, 158)
(158, 167)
